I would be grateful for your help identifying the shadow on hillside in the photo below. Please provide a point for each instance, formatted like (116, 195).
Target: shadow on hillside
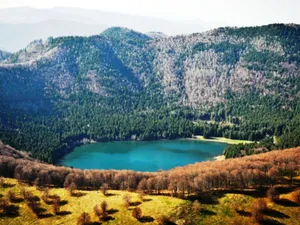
(146, 219)
(17, 200)
(255, 193)
(205, 199)
(41, 212)
(111, 194)
(286, 189)
(63, 213)
(275, 213)
(10, 211)
(271, 222)
(63, 202)
(243, 213)
(208, 212)
(135, 203)
(147, 199)
(34, 199)
(7, 185)
(286, 202)
(112, 211)
(109, 218)
(78, 194)
(43, 216)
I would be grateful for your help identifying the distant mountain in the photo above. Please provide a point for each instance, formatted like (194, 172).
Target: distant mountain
(16, 36)
(241, 83)
(4, 55)
(30, 23)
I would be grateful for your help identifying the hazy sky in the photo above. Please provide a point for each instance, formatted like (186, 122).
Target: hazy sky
(232, 12)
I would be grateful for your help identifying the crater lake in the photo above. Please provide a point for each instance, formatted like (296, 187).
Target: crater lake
(142, 155)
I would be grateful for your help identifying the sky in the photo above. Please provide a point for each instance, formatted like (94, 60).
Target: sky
(231, 12)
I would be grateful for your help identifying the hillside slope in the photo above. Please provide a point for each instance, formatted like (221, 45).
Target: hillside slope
(120, 85)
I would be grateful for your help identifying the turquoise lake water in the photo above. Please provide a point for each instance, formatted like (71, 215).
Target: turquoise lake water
(142, 155)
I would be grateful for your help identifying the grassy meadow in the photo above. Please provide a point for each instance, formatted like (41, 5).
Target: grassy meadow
(219, 208)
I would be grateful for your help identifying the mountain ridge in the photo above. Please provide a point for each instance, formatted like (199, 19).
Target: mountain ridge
(233, 82)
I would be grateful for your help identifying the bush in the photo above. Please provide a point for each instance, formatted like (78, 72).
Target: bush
(137, 213)
(56, 206)
(84, 219)
(3, 203)
(11, 196)
(72, 187)
(164, 220)
(296, 196)
(1, 181)
(273, 194)
(104, 188)
(127, 200)
(258, 207)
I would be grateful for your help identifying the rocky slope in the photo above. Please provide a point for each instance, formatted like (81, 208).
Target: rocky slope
(234, 75)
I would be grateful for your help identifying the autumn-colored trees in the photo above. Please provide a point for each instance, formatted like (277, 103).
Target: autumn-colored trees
(248, 172)
(101, 211)
(137, 213)
(257, 209)
(296, 196)
(84, 219)
(127, 200)
(273, 194)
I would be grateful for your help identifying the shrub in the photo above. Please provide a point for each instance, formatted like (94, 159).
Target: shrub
(296, 196)
(127, 200)
(164, 220)
(1, 181)
(72, 187)
(104, 188)
(137, 213)
(273, 194)
(56, 206)
(11, 196)
(104, 206)
(196, 206)
(3, 203)
(84, 219)
(258, 207)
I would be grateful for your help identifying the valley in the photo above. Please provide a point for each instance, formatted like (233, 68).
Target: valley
(237, 83)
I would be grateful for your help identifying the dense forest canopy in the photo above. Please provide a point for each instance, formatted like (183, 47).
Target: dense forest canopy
(239, 83)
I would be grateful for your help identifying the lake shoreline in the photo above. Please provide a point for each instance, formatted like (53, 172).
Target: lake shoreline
(60, 153)
(220, 140)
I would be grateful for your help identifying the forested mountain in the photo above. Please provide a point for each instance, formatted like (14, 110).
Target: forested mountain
(4, 55)
(233, 82)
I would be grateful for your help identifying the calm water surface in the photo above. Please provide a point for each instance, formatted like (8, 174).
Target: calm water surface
(142, 155)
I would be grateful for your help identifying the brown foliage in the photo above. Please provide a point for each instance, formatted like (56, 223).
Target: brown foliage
(247, 172)
(56, 206)
(163, 220)
(1, 182)
(258, 207)
(72, 187)
(11, 196)
(101, 212)
(296, 196)
(84, 219)
(104, 206)
(273, 194)
(137, 213)
(127, 200)
(104, 188)
(3, 203)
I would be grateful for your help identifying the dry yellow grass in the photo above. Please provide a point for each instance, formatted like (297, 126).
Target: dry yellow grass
(223, 140)
(225, 209)
(154, 206)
